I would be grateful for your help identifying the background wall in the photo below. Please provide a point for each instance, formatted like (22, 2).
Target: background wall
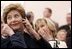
(59, 8)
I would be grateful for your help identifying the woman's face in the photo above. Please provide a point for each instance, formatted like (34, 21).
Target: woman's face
(41, 24)
(14, 19)
(61, 35)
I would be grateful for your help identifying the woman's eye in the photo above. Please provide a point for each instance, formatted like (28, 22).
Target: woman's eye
(42, 25)
(9, 17)
(16, 15)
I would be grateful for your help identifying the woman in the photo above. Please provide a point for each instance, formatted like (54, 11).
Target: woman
(13, 22)
(45, 31)
(61, 38)
(42, 28)
(13, 16)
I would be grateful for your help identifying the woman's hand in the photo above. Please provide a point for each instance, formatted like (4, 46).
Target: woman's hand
(45, 33)
(29, 28)
(6, 30)
(27, 24)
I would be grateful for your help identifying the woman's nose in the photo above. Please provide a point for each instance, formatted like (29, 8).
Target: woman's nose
(13, 19)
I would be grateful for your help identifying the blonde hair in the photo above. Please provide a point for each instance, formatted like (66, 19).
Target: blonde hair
(36, 24)
(50, 26)
(10, 7)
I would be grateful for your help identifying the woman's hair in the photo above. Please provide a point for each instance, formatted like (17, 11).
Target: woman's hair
(50, 26)
(37, 22)
(10, 7)
(2, 20)
(62, 30)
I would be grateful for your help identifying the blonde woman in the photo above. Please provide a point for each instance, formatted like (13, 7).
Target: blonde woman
(42, 28)
(61, 38)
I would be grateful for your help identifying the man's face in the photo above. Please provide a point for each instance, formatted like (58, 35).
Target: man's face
(69, 18)
(46, 13)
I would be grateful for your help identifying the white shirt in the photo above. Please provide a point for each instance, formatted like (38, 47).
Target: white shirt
(60, 44)
(52, 43)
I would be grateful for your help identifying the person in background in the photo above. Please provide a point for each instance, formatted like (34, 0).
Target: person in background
(67, 28)
(30, 17)
(47, 15)
(61, 35)
(61, 38)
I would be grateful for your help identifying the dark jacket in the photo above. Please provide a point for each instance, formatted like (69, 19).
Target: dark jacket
(33, 43)
(15, 41)
(19, 40)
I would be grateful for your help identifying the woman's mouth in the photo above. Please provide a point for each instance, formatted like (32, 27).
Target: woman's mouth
(14, 24)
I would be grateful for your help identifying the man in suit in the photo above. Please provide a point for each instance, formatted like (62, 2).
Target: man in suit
(67, 27)
(51, 24)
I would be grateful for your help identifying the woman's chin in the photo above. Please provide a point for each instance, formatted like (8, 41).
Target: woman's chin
(15, 28)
